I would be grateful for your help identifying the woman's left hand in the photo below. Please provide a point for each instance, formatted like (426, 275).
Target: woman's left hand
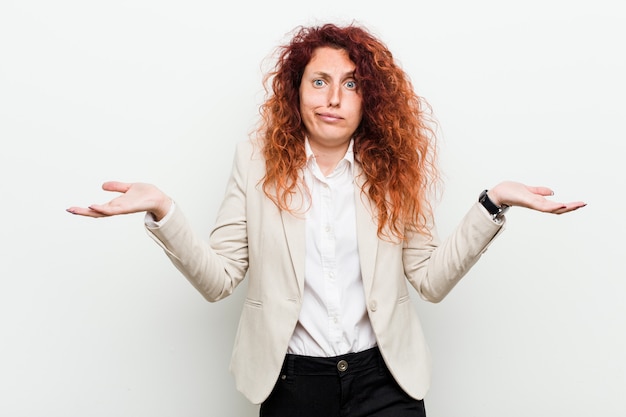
(512, 193)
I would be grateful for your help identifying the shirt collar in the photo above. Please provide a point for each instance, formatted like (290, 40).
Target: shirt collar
(348, 157)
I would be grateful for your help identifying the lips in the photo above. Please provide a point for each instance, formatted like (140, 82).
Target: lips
(329, 116)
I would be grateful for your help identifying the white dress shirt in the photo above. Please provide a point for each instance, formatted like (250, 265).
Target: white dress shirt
(333, 319)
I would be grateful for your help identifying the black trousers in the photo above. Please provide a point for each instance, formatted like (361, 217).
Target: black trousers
(351, 385)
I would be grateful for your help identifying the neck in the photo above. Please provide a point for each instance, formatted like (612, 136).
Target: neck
(328, 158)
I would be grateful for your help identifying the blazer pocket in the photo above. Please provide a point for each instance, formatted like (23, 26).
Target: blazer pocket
(404, 299)
(253, 303)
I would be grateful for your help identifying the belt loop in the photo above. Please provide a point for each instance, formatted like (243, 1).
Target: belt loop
(290, 365)
(286, 371)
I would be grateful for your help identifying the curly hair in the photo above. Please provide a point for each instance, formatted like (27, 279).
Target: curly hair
(394, 142)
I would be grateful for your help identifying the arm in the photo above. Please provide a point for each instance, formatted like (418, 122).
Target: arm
(214, 268)
(435, 267)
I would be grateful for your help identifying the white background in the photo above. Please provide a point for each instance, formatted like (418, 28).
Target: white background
(94, 320)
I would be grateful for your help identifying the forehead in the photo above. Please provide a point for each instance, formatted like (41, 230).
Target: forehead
(327, 59)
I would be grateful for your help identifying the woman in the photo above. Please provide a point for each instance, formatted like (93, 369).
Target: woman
(327, 215)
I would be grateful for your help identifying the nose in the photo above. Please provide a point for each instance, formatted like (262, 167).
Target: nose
(334, 96)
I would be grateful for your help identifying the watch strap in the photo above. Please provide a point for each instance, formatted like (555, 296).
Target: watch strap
(490, 206)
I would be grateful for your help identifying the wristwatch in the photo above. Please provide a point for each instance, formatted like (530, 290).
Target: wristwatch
(496, 211)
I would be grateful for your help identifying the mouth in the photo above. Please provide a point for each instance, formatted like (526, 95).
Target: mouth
(329, 117)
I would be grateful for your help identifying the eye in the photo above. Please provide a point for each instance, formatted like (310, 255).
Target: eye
(318, 83)
(351, 85)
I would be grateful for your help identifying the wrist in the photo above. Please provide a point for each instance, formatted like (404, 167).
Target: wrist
(494, 196)
(161, 209)
(495, 208)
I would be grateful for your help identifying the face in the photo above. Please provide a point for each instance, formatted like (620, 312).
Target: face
(330, 102)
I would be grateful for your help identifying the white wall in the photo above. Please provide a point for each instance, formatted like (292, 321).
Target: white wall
(94, 321)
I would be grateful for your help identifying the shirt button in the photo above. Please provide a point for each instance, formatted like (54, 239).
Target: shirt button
(342, 366)
(373, 305)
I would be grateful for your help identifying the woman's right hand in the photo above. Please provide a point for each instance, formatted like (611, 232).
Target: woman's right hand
(136, 197)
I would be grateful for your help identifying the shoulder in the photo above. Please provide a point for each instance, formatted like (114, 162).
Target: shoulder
(249, 159)
(251, 149)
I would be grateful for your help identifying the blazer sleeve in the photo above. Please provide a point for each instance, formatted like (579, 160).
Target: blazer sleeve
(434, 267)
(214, 267)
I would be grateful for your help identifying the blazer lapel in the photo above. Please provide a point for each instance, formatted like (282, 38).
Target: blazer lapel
(366, 225)
(367, 239)
(294, 227)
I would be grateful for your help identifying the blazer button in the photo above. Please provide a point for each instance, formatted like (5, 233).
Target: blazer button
(373, 305)
(342, 366)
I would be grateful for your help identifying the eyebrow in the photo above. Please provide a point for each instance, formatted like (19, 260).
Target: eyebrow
(327, 75)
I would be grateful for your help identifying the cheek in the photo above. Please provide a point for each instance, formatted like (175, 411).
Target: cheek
(305, 114)
(358, 109)
(310, 100)
(308, 104)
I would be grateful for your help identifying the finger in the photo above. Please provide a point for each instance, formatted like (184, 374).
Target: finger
(88, 212)
(120, 187)
(555, 208)
(107, 209)
(570, 207)
(574, 206)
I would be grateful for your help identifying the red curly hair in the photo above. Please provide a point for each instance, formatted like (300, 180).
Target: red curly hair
(394, 143)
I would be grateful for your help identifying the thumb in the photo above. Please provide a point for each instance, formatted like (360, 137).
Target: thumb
(543, 191)
(120, 187)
